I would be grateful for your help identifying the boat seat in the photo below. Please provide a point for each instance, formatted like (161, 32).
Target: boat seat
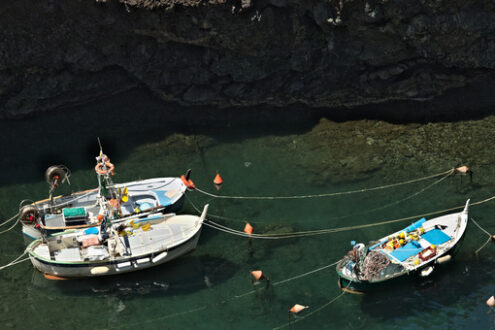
(68, 254)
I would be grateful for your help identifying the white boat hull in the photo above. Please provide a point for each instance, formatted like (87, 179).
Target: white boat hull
(89, 253)
(103, 268)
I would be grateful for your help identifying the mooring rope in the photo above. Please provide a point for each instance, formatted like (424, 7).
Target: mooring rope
(449, 172)
(11, 227)
(334, 230)
(490, 238)
(15, 261)
(197, 309)
(344, 216)
(9, 220)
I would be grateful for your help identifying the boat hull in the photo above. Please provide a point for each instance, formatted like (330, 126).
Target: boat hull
(112, 267)
(358, 287)
(455, 224)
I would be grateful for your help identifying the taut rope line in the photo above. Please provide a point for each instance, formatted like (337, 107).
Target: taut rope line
(334, 230)
(349, 215)
(449, 172)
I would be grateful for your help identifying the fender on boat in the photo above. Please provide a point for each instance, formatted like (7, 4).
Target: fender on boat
(444, 259)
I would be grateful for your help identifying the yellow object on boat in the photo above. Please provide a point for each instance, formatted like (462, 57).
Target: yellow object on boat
(146, 227)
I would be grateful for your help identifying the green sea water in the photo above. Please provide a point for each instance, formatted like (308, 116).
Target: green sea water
(258, 152)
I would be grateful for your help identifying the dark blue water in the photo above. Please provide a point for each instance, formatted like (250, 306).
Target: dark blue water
(259, 152)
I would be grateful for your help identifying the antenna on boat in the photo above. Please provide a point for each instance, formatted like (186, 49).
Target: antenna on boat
(99, 143)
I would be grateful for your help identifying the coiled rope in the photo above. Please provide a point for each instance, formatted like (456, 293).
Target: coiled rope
(339, 193)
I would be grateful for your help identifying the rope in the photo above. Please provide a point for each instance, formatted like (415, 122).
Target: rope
(449, 172)
(397, 201)
(483, 230)
(234, 297)
(9, 220)
(335, 230)
(306, 274)
(11, 227)
(345, 216)
(15, 261)
(486, 232)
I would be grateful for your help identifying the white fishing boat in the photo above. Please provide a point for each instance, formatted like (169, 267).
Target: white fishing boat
(118, 248)
(416, 249)
(85, 209)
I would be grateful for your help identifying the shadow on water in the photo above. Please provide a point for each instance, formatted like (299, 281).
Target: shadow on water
(129, 120)
(182, 276)
(419, 295)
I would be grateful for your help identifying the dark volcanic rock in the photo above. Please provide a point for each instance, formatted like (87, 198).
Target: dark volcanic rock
(323, 53)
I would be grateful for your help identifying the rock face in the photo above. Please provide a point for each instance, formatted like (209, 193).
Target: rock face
(239, 53)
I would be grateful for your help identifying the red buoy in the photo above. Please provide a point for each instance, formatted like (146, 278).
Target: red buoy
(248, 229)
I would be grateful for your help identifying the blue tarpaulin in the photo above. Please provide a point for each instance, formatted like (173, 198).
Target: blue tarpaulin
(408, 250)
(415, 225)
(436, 237)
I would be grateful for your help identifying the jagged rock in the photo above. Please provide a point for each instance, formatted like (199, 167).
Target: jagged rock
(59, 53)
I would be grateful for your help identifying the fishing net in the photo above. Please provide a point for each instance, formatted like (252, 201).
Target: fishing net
(373, 264)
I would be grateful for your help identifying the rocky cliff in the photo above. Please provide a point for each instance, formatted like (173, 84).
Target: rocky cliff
(323, 53)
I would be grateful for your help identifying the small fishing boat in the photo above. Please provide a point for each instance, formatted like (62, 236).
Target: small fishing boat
(416, 249)
(116, 248)
(84, 209)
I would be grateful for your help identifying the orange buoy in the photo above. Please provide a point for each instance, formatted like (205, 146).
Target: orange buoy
(257, 274)
(99, 217)
(297, 308)
(491, 301)
(54, 277)
(218, 181)
(248, 229)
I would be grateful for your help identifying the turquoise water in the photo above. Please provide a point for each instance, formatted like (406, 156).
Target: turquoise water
(258, 153)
